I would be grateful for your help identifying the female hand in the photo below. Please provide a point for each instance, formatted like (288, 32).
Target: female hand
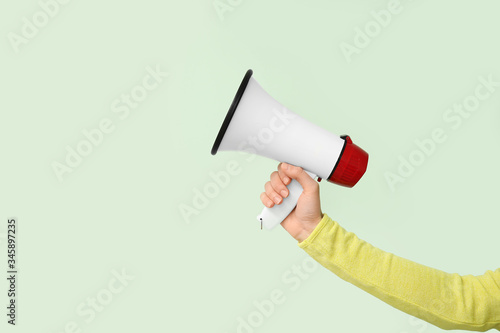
(307, 214)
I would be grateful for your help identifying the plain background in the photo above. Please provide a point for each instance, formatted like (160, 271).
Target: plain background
(120, 208)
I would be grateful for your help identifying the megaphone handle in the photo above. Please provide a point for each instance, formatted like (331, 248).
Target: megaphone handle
(271, 217)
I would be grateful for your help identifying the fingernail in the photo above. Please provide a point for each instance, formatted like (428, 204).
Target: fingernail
(277, 200)
(284, 193)
(286, 180)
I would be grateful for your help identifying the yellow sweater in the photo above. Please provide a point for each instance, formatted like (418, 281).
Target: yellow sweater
(449, 301)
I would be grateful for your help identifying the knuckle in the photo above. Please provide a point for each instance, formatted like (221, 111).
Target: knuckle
(295, 170)
(276, 181)
(269, 188)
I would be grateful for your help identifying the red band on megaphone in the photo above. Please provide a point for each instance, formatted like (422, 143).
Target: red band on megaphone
(351, 165)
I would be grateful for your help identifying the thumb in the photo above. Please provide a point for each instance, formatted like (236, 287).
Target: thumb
(309, 185)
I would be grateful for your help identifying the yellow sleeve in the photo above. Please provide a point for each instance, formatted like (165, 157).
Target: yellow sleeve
(449, 301)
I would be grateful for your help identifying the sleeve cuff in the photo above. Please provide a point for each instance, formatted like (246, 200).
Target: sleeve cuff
(325, 221)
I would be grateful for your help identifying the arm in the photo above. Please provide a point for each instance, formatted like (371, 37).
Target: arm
(449, 301)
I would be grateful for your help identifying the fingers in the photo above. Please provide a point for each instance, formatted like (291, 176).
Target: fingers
(272, 194)
(275, 190)
(308, 184)
(266, 200)
(279, 184)
(286, 180)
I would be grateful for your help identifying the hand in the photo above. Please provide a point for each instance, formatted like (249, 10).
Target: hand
(307, 214)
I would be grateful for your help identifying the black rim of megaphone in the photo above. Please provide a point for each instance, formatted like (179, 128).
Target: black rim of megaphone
(232, 109)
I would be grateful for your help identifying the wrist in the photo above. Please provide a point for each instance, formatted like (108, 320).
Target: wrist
(308, 228)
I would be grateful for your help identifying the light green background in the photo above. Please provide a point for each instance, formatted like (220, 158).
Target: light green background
(120, 208)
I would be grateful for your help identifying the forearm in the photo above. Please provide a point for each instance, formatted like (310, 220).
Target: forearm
(449, 301)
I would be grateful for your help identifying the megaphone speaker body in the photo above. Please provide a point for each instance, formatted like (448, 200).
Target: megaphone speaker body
(256, 123)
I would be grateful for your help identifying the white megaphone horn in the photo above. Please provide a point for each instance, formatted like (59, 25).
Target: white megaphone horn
(256, 123)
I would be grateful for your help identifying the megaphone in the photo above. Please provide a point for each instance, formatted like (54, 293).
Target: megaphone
(256, 123)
